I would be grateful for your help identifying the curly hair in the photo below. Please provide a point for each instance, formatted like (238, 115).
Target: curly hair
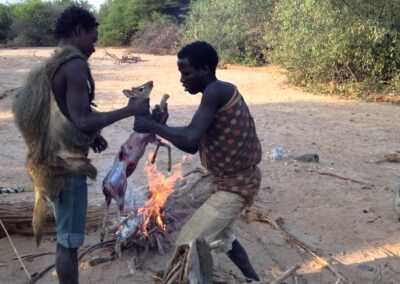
(70, 18)
(200, 53)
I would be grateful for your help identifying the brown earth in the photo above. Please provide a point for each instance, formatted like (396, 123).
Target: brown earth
(352, 226)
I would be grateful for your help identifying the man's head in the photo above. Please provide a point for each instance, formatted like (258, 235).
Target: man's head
(197, 63)
(78, 27)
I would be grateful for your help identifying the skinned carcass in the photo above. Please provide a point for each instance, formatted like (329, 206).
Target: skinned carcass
(115, 182)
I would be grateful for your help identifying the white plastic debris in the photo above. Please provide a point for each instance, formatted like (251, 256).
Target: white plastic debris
(278, 153)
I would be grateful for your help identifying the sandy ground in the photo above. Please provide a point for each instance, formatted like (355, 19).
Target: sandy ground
(352, 226)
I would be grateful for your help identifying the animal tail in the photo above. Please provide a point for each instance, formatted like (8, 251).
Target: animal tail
(39, 214)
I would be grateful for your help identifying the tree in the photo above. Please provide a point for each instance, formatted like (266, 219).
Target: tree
(353, 43)
(5, 22)
(234, 27)
(120, 19)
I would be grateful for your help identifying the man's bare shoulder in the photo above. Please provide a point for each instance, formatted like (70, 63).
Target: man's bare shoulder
(221, 88)
(74, 67)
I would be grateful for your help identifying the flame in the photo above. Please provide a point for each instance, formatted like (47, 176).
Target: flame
(160, 187)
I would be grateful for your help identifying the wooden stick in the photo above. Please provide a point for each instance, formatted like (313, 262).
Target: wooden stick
(260, 216)
(37, 275)
(286, 274)
(196, 170)
(171, 276)
(340, 177)
(155, 154)
(162, 106)
(15, 250)
(34, 255)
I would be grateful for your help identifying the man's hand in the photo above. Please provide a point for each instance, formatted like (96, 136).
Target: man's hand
(99, 144)
(159, 115)
(143, 123)
(138, 106)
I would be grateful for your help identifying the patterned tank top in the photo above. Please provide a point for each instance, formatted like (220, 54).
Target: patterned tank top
(230, 145)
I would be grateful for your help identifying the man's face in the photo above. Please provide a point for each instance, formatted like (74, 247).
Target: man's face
(86, 41)
(191, 78)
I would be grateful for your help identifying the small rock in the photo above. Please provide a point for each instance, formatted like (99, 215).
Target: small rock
(365, 267)
(308, 158)
(365, 187)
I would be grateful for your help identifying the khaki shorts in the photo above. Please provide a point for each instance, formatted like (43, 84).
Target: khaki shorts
(214, 220)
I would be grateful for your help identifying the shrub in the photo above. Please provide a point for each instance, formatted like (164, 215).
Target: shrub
(233, 27)
(33, 23)
(123, 18)
(322, 41)
(158, 37)
(5, 22)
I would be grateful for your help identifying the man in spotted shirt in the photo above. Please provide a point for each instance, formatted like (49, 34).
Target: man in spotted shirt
(223, 132)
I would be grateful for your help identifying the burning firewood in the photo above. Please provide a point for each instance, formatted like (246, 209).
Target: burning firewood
(189, 193)
(115, 182)
(144, 227)
(151, 225)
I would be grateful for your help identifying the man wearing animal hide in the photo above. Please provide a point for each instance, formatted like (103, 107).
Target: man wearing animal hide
(53, 112)
(223, 131)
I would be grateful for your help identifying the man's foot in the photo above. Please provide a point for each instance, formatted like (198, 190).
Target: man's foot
(239, 257)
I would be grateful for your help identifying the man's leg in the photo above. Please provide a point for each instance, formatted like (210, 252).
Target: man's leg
(67, 264)
(239, 257)
(70, 213)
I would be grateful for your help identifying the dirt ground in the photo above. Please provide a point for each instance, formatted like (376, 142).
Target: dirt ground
(351, 225)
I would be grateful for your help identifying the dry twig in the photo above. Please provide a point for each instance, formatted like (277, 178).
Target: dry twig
(260, 216)
(37, 275)
(340, 177)
(33, 255)
(286, 274)
(15, 250)
(126, 58)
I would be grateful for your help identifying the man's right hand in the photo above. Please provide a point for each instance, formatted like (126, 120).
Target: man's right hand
(138, 106)
(161, 116)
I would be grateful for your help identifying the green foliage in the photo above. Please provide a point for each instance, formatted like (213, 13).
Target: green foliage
(34, 21)
(325, 40)
(5, 22)
(158, 37)
(122, 18)
(233, 27)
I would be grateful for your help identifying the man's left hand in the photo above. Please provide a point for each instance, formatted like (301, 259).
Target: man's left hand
(99, 144)
(144, 123)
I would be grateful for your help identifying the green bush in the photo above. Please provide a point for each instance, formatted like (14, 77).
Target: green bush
(5, 22)
(233, 27)
(121, 19)
(158, 37)
(33, 23)
(355, 45)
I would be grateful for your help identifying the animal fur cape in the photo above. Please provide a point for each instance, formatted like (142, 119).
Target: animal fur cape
(57, 149)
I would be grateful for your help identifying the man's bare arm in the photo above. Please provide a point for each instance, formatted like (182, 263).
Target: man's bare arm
(76, 73)
(186, 138)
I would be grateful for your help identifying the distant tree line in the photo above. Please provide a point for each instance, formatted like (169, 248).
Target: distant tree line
(345, 46)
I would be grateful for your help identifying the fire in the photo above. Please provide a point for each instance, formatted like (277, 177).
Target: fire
(160, 187)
